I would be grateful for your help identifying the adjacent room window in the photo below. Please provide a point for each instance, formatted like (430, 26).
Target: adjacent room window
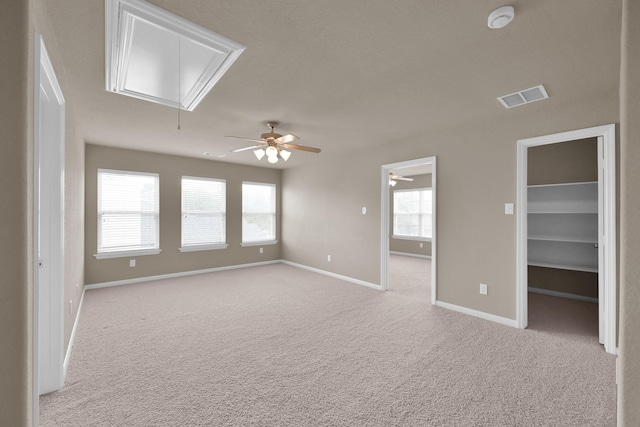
(203, 213)
(128, 213)
(412, 212)
(258, 213)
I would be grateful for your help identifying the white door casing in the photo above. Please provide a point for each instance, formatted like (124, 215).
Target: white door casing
(607, 280)
(384, 216)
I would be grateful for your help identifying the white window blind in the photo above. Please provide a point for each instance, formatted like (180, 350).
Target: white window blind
(203, 212)
(258, 212)
(128, 211)
(412, 213)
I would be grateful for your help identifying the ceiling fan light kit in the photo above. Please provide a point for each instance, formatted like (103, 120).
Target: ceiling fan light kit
(272, 145)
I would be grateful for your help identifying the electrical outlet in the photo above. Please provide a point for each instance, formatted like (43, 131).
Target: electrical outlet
(421, 245)
(329, 258)
(364, 210)
(483, 289)
(261, 250)
(132, 263)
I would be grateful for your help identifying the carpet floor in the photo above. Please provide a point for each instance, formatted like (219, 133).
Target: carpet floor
(281, 346)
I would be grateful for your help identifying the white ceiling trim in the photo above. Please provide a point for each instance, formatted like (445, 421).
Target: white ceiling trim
(155, 55)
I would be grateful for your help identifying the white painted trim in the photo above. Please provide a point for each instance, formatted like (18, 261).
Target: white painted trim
(414, 238)
(49, 300)
(265, 243)
(125, 254)
(409, 254)
(175, 275)
(385, 206)
(562, 295)
(607, 132)
(196, 248)
(334, 275)
(476, 313)
(72, 338)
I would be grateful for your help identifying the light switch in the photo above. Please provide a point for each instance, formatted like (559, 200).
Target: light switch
(508, 208)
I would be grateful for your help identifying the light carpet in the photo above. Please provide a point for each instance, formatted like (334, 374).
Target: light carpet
(281, 346)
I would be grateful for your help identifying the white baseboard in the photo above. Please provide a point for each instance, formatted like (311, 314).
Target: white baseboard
(563, 295)
(176, 275)
(476, 313)
(67, 356)
(334, 275)
(409, 254)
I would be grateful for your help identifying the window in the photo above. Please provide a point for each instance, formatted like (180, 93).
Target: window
(203, 213)
(412, 213)
(258, 213)
(128, 213)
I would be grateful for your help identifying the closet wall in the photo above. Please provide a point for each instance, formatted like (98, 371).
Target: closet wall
(548, 165)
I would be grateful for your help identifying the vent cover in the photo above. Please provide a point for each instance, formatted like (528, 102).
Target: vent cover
(523, 97)
(157, 56)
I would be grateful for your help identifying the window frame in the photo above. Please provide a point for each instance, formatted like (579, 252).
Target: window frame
(205, 246)
(420, 215)
(274, 240)
(99, 213)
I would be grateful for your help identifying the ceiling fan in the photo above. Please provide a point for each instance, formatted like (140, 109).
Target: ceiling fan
(273, 145)
(394, 178)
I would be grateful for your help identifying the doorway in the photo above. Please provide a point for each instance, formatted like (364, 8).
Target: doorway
(545, 207)
(49, 140)
(411, 169)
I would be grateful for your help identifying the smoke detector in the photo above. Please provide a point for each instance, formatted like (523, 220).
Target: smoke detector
(501, 17)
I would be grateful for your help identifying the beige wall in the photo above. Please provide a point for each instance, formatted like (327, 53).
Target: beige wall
(171, 169)
(572, 161)
(629, 338)
(404, 245)
(476, 177)
(15, 254)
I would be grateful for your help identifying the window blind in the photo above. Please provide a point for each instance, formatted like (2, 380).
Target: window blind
(412, 212)
(128, 211)
(203, 211)
(258, 212)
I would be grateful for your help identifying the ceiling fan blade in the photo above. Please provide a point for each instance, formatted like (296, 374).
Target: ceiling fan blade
(401, 178)
(237, 150)
(301, 147)
(245, 139)
(285, 139)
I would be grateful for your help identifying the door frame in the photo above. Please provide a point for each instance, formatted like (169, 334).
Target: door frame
(48, 303)
(385, 218)
(607, 289)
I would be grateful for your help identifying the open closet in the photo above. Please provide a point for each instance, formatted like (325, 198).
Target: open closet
(562, 219)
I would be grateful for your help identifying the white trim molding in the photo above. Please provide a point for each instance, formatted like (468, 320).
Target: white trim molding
(72, 338)
(264, 242)
(562, 295)
(409, 254)
(334, 275)
(607, 234)
(175, 275)
(196, 248)
(476, 313)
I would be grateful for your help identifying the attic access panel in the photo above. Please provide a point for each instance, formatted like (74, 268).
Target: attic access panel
(154, 55)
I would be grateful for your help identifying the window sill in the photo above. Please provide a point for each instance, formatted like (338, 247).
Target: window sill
(123, 254)
(417, 239)
(260, 243)
(196, 248)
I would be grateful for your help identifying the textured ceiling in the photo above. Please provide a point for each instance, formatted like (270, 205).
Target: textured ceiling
(345, 75)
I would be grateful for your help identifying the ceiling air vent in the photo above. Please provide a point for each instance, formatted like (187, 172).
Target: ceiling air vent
(157, 56)
(523, 97)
